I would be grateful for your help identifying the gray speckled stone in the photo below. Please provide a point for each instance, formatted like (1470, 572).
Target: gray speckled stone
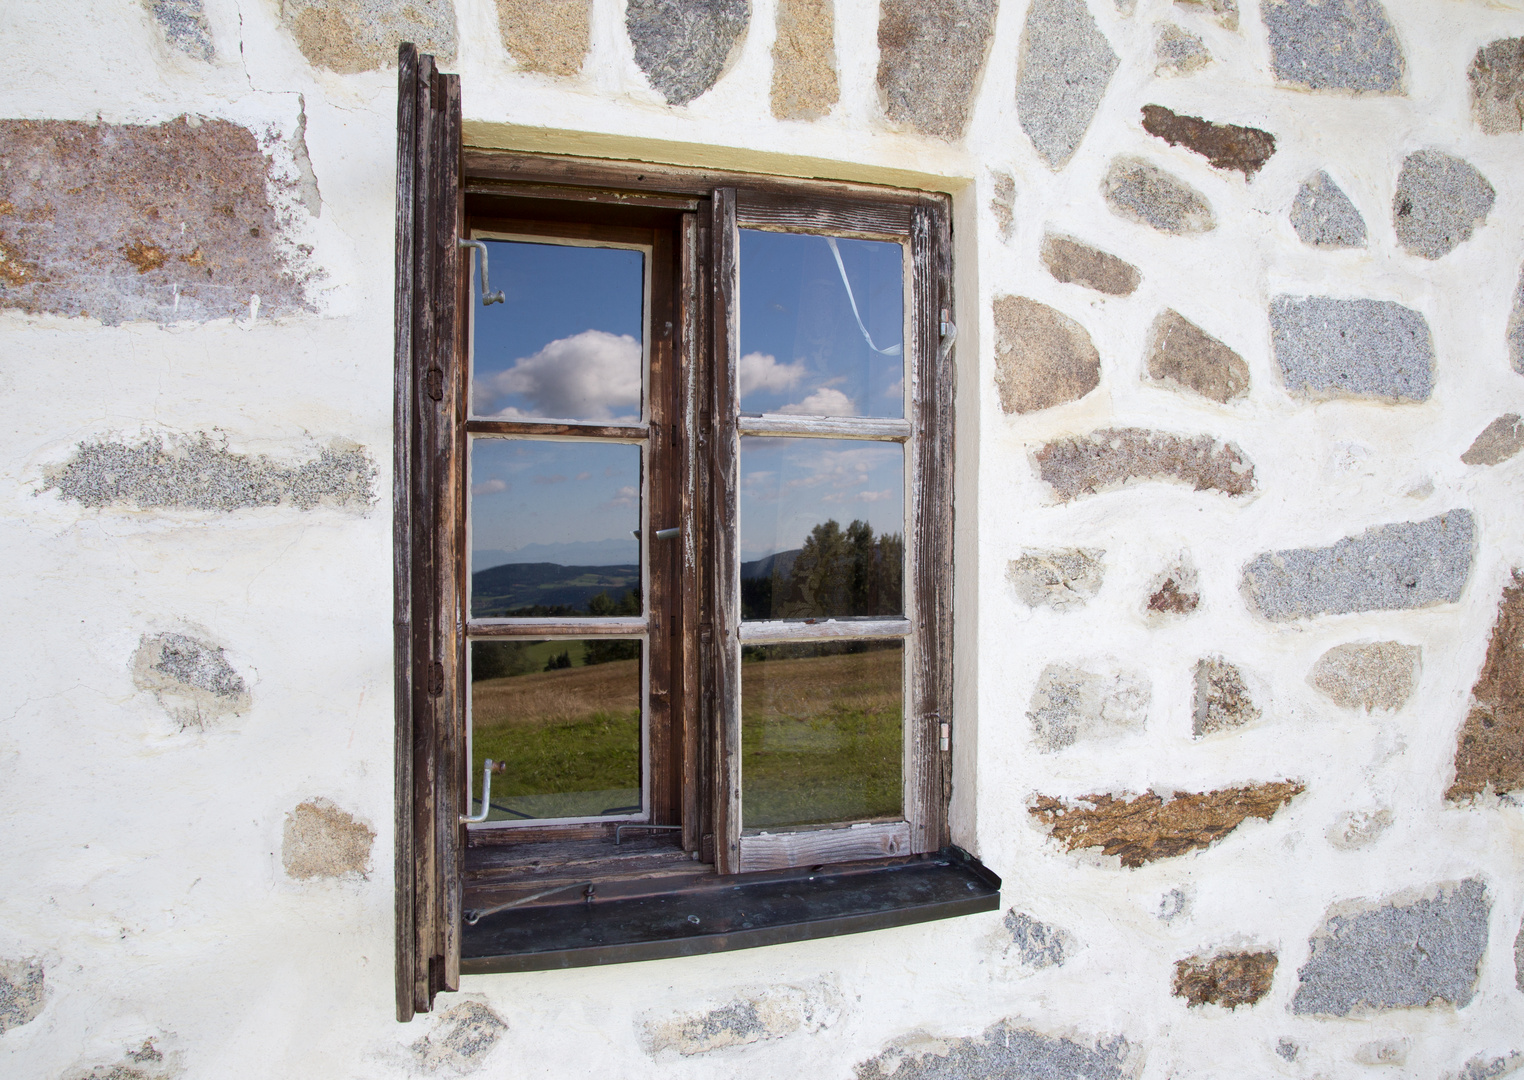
(1516, 328)
(1440, 199)
(1396, 956)
(1331, 347)
(1386, 568)
(1070, 704)
(930, 57)
(1323, 216)
(682, 45)
(184, 26)
(1005, 1051)
(1497, 86)
(1178, 51)
(1518, 957)
(22, 992)
(1037, 944)
(1140, 191)
(1062, 71)
(1333, 45)
(1059, 578)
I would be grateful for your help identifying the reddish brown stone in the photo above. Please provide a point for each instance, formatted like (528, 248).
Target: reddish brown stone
(1225, 146)
(1142, 828)
(1172, 599)
(1227, 979)
(1489, 752)
(1112, 457)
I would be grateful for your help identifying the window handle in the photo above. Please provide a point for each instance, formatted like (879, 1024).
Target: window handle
(949, 334)
(660, 534)
(487, 298)
(491, 767)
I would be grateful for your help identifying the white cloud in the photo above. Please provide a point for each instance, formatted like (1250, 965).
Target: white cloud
(761, 371)
(625, 496)
(824, 402)
(489, 487)
(874, 496)
(593, 375)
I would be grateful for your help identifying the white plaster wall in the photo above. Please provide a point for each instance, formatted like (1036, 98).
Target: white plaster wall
(142, 863)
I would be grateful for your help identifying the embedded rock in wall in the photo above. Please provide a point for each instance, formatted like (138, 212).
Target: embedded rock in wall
(1222, 700)
(753, 1017)
(546, 36)
(183, 24)
(804, 60)
(1003, 204)
(349, 36)
(931, 56)
(1499, 441)
(1489, 752)
(22, 992)
(1368, 675)
(1174, 591)
(1354, 829)
(169, 222)
(1440, 199)
(1141, 828)
(1386, 568)
(1142, 192)
(321, 840)
(461, 1039)
(1113, 457)
(1228, 979)
(1224, 12)
(1397, 955)
(1062, 578)
(683, 46)
(1497, 86)
(1062, 70)
(1075, 263)
(1333, 45)
(1518, 957)
(1515, 327)
(1185, 356)
(1323, 216)
(1037, 944)
(1177, 51)
(1005, 1049)
(192, 680)
(1331, 347)
(1043, 358)
(1225, 146)
(1484, 1067)
(196, 473)
(1070, 704)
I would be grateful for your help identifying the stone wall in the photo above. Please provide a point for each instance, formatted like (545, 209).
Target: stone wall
(1239, 613)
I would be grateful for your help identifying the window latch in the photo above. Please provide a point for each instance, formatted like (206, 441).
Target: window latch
(487, 298)
(490, 768)
(949, 331)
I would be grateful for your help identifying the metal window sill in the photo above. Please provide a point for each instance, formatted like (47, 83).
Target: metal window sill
(717, 914)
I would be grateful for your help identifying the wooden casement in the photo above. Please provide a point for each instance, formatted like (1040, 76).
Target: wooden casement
(692, 622)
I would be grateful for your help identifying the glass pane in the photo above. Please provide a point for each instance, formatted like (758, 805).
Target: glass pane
(822, 528)
(553, 528)
(564, 718)
(566, 342)
(820, 733)
(822, 325)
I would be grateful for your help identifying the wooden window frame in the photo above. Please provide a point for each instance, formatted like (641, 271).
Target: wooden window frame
(436, 179)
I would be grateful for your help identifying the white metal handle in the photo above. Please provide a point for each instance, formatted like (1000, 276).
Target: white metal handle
(490, 768)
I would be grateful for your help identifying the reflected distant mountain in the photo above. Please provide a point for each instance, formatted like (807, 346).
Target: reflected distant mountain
(579, 553)
(548, 588)
(781, 561)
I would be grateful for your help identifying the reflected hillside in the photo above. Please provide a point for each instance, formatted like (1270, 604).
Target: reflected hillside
(837, 573)
(549, 589)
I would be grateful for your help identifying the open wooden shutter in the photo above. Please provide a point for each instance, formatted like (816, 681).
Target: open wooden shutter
(427, 463)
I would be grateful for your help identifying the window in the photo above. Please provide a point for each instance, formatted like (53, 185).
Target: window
(674, 535)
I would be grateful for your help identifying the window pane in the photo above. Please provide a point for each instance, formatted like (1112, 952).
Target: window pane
(553, 528)
(822, 528)
(821, 733)
(822, 324)
(566, 342)
(564, 717)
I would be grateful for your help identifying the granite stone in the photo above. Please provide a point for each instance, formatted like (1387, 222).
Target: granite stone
(350, 36)
(1177, 51)
(1037, 944)
(1075, 263)
(1323, 215)
(1003, 204)
(1516, 328)
(1043, 358)
(1222, 700)
(1005, 1051)
(931, 57)
(1368, 675)
(1440, 200)
(1223, 12)
(1059, 578)
(183, 24)
(683, 46)
(1333, 347)
(1185, 356)
(1386, 568)
(1333, 45)
(1073, 704)
(1115, 457)
(1499, 441)
(1140, 191)
(804, 60)
(463, 1036)
(1397, 955)
(23, 992)
(1497, 86)
(1062, 70)
(546, 36)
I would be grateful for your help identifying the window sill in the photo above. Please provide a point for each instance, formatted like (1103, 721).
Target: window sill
(708, 913)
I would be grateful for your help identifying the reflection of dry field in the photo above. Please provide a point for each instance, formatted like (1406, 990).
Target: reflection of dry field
(819, 685)
(547, 697)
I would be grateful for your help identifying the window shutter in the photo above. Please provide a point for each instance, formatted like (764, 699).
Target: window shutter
(429, 643)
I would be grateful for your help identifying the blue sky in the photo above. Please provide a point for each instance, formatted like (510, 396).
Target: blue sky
(788, 486)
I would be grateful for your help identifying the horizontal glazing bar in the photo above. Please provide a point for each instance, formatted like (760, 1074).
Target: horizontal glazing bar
(556, 627)
(825, 427)
(753, 633)
(551, 429)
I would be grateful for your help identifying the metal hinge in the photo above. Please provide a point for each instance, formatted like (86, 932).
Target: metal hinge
(946, 736)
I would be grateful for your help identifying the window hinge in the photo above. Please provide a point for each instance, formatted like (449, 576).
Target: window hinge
(433, 383)
(946, 736)
(436, 679)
